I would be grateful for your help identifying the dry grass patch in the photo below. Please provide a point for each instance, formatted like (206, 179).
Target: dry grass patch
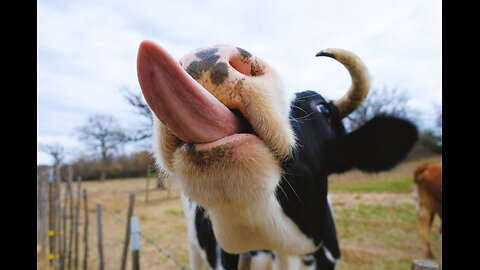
(374, 214)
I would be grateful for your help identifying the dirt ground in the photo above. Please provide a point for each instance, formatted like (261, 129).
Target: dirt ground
(162, 222)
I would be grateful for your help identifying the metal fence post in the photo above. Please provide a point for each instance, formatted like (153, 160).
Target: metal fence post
(135, 244)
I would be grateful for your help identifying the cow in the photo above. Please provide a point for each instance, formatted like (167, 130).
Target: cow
(252, 164)
(427, 186)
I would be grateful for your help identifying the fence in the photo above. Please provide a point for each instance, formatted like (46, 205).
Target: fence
(61, 249)
(63, 252)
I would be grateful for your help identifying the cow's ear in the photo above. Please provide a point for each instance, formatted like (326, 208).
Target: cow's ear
(378, 145)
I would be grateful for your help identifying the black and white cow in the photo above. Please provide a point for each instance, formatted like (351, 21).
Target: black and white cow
(252, 167)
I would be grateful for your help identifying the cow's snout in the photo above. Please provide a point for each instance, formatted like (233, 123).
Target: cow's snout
(245, 84)
(225, 70)
(247, 65)
(218, 108)
(223, 63)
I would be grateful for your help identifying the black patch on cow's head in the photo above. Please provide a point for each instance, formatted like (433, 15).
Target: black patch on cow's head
(302, 192)
(378, 145)
(208, 61)
(324, 147)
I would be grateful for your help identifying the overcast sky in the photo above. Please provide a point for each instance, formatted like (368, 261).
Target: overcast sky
(86, 50)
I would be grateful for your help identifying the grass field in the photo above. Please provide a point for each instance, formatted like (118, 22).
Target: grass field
(374, 214)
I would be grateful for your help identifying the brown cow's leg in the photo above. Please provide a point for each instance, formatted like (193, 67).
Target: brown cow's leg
(425, 219)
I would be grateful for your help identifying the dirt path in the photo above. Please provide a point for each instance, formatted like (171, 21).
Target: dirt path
(349, 199)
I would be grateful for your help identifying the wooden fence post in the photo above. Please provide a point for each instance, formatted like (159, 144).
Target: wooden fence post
(77, 216)
(51, 217)
(85, 233)
(63, 230)
(99, 234)
(43, 186)
(135, 244)
(58, 221)
(66, 252)
(72, 215)
(127, 233)
(423, 265)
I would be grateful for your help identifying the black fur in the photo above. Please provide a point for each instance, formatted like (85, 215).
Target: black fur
(323, 148)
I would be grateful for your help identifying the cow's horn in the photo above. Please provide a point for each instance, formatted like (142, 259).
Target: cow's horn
(360, 80)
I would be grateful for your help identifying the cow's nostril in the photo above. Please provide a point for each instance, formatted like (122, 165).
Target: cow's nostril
(247, 65)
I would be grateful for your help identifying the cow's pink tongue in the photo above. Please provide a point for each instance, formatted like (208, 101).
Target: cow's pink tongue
(190, 111)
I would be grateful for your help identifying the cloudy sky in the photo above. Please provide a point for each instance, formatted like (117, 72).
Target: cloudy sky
(86, 50)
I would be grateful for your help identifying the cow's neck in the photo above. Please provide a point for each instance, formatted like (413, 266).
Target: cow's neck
(258, 225)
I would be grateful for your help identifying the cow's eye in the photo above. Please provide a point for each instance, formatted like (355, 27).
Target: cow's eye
(323, 109)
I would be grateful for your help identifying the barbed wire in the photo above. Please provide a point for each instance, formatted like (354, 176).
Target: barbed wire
(151, 242)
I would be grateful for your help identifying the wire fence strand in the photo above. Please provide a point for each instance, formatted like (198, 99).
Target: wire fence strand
(151, 242)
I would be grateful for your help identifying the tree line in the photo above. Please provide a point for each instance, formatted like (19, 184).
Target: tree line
(103, 136)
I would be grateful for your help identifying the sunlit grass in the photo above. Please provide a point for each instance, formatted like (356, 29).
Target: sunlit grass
(402, 184)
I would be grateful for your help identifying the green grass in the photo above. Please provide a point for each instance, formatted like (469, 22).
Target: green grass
(381, 237)
(380, 222)
(397, 184)
(174, 212)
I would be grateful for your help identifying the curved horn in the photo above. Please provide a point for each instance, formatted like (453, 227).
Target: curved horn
(360, 80)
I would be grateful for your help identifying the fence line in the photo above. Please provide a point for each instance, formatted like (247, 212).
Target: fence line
(151, 242)
(63, 250)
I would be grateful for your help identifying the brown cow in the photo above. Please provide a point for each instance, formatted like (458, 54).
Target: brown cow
(428, 191)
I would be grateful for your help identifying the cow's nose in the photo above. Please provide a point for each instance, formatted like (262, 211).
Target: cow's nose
(246, 64)
(222, 63)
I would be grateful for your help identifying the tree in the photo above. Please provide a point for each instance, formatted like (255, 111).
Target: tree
(56, 150)
(379, 101)
(145, 132)
(102, 134)
(141, 107)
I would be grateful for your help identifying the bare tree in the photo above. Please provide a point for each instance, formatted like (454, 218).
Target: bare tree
(145, 131)
(141, 108)
(56, 150)
(103, 135)
(379, 101)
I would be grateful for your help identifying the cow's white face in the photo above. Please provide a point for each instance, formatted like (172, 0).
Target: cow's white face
(244, 166)
(234, 177)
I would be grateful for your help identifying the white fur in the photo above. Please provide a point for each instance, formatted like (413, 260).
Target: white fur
(262, 225)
